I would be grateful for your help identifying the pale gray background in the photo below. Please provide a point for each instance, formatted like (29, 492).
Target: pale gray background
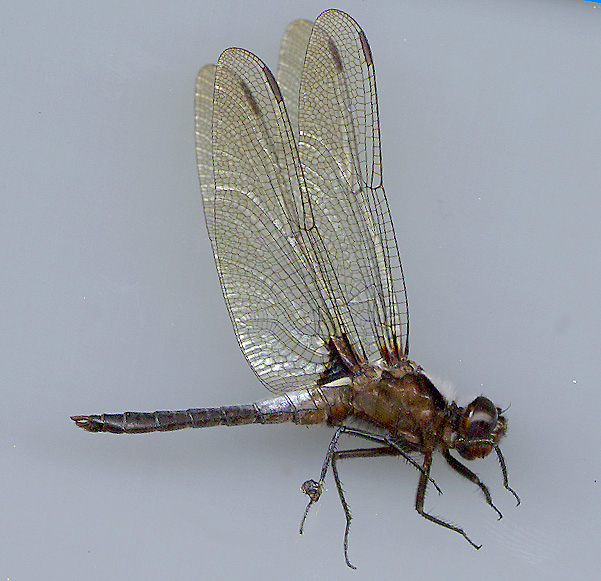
(491, 138)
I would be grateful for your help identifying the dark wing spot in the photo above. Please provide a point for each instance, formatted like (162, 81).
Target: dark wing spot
(251, 99)
(366, 49)
(335, 55)
(273, 84)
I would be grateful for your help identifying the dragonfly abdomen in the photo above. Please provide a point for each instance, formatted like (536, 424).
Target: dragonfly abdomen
(166, 421)
(310, 406)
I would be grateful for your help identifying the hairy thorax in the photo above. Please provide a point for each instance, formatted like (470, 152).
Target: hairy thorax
(401, 400)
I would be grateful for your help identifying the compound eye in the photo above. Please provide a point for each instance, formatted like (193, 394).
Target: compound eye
(481, 418)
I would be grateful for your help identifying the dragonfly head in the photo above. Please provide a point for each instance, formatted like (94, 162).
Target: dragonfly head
(479, 429)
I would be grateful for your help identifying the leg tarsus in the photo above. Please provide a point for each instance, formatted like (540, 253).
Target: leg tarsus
(472, 477)
(314, 489)
(505, 479)
(345, 507)
(420, 497)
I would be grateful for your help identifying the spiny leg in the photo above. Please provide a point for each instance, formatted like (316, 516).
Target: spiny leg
(388, 447)
(357, 453)
(487, 441)
(467, 473)
(314, 489)
(421, 494)
(504, 471)
(389, 442)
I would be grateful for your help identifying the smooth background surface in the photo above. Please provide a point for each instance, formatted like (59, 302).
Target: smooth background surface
(110, 302)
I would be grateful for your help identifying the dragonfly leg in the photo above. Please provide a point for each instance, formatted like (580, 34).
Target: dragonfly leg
(356, 453)
(421, 494)
(505, 479)
(314, 489)
(345, 507)
(388, 442)
(467, 473)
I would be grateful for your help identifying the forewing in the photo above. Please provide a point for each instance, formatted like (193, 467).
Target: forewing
(250, 179)
(290, 66)
(339, 147)
(307, 268)
(203, 113)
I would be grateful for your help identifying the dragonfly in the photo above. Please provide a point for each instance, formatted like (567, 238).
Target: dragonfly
(291, 178)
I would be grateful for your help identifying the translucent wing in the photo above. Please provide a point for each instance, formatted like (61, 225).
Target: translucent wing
(203, 110)
(339, 146)
(292, 293)
(249, 171)
(290, 66)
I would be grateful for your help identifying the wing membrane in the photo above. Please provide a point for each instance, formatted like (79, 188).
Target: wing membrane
(339, 146)
(305, 267)
(252, 208)
(290, 66)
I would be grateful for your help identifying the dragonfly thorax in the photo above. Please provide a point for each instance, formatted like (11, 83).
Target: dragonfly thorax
(402, 400)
